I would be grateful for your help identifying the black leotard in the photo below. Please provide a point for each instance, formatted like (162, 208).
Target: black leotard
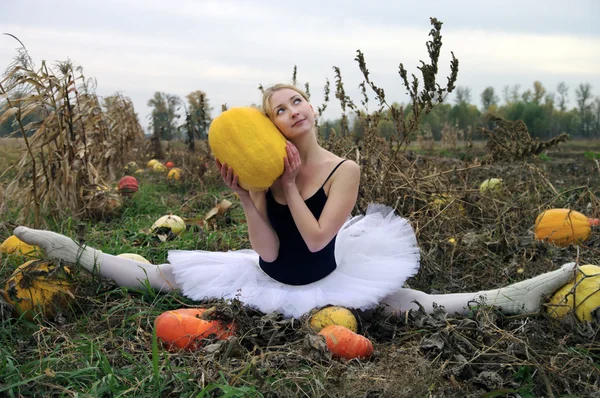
(296, 264)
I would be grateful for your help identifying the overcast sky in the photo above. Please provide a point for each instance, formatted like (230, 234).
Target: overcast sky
(227, 48)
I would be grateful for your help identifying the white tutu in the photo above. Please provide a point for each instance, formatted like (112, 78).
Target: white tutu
(375, 254)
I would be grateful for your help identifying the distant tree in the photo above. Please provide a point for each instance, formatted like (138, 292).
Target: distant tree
(200, 112)
(596, 113)
(164, 113)
(386, 128)
(583, 93)
(488, 98)
(514, 93)
(437, 118)
(511, 94)
(538, 92)
(563, 94)
(463, 94)
(464, 116)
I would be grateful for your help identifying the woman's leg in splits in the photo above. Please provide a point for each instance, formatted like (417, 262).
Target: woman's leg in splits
(519, 298)
(123, 271)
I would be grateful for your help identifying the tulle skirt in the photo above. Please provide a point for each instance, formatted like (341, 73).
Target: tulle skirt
(375, 254)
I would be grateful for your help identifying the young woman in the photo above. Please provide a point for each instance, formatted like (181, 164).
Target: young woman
(307, 251)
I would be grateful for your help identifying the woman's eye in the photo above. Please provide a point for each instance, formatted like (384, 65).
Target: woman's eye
(297, 100)
(278, 112)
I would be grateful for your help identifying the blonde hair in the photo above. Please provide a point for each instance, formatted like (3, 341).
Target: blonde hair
(269, 91)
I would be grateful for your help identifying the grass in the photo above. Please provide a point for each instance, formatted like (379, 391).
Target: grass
(104, 343)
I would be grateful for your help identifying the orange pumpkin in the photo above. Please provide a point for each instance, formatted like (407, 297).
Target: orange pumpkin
(170, 165)
(184, 328)
(344, 343)
(562, 227)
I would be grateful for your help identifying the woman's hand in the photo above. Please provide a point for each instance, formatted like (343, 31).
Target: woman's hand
(231, 180)
(292, 165)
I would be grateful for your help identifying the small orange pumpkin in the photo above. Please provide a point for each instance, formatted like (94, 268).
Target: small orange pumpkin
(344, 343)
(170, 165)
(562, 227)
(184, 328)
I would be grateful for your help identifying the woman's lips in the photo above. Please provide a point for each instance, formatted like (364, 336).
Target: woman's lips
(298, 122)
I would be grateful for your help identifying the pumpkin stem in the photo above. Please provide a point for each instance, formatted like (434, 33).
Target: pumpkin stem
(208, 312)
(594, 222)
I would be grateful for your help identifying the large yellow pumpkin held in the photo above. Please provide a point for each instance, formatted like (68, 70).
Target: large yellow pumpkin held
(333, 316)
(39, 287)
(582, 295)
(563, 227)
(248, 142)
(15, 246)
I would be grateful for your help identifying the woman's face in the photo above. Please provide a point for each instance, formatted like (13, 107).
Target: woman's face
(291, 113)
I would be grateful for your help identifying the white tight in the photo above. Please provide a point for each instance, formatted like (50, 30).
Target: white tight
(522, 297)
(130, 273)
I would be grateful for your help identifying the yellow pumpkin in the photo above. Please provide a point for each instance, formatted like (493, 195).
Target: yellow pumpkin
(442, 201)
(131, 166)
(584, 298)
(134, 257)
(38, 286)
(15, 246)
(491, 184)
(248, 142)
(159, 167)
(174, 174)
(152, 162)
(563, 227)
(333, 316)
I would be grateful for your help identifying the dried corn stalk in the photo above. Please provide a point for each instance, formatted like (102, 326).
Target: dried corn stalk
(74, 144)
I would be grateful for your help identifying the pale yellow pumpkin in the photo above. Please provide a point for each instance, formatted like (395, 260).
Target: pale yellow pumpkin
(584, 298)
(333, 316)
(491, 184)
(152, 162)
(159, 167)
(248, 141)
(562, 227)
(171, 222)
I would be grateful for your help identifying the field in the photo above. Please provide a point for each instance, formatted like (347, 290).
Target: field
(102, 344)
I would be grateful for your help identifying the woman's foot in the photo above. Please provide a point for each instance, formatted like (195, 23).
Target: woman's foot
(61, 247)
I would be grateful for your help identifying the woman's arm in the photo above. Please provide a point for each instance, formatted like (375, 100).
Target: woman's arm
(262, 237)
(341, 199)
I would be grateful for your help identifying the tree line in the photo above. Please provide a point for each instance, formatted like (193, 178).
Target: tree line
(544, 112)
